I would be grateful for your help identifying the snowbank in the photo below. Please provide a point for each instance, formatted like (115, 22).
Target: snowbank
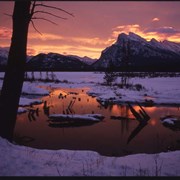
(27, 102)
(76, 117)
(31, 88)
(21, 110)
(25, 161)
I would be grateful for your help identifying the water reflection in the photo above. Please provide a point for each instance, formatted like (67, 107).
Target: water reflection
(32, 114)
(116, 135)
(143, 119)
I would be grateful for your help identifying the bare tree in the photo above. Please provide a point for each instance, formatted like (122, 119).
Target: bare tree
(24, 12)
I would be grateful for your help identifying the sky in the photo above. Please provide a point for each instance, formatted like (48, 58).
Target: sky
(94, 26)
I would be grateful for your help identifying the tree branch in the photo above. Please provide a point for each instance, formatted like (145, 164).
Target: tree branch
(50, 14)
(7, 14)
(35, 28)
(45, 20)
(32, 9)
(52, 7)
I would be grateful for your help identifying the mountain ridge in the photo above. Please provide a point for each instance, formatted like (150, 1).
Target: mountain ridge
(143, 54)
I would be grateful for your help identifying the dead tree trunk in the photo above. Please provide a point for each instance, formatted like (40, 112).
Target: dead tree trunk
(14, 75)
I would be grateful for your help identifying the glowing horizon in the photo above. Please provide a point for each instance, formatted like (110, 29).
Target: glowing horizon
(96, 27)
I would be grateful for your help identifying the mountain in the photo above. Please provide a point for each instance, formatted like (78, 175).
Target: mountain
(56, 62)
(84, 59)
(4, 51)
(138, 54)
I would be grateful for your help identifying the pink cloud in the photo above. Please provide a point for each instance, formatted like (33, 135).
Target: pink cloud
(5, 33)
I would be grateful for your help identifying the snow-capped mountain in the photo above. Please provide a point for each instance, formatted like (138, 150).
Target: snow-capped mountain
(139, 53)
(84, 59)
(55, 61)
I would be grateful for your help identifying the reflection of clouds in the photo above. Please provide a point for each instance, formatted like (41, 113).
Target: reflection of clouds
(153, 122)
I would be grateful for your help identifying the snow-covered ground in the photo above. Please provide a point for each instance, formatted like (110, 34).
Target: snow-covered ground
(18, 160)
(161, 90)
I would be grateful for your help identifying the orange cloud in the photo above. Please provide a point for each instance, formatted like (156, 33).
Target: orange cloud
(125, 29)
(92, 52)
(155, 19)
(161, 33)
(44, 36)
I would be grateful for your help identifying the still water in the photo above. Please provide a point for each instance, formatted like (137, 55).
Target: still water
(108, 137)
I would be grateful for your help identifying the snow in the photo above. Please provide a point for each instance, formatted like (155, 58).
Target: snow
(25, 161)
(31, 88)
(85, 117)
(169, 121)
(161, 90)
(136, 37)
(27, 102)
(18, 160)
(21, 110)
(84, 59)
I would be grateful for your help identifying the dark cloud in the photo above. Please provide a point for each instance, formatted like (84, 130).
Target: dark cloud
(163, 30)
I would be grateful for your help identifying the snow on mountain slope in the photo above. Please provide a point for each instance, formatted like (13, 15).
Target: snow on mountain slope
(139, 53)
(84, 59)
(55, 61)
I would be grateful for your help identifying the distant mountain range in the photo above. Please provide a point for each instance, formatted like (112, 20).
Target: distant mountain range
(55, 61)
(129, 52)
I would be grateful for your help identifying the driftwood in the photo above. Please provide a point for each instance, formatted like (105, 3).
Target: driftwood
(121, 118)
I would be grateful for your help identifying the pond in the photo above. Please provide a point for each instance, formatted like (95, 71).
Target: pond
(108, 137)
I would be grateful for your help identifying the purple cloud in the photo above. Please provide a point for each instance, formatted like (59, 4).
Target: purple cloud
(162, 30)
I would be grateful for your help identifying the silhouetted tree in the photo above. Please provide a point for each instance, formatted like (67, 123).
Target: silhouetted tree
(23, 14)
(110, 75)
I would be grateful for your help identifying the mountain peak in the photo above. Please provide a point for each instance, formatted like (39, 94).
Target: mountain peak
(132, 37)
(122, 37)
(135, 37)
(154, 40)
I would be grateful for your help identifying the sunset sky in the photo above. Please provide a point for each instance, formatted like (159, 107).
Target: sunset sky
(95, 25)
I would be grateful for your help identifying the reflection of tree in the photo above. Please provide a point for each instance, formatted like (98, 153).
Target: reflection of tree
(32, 113)
(46, 108)
(140, 116)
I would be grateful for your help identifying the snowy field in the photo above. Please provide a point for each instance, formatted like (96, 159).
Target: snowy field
(18, 160)
(24, 161)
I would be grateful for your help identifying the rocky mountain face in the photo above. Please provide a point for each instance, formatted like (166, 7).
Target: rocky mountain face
(135, 53)
(84, 59)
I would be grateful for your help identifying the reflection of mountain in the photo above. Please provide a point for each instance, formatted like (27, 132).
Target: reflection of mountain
(142, 54)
